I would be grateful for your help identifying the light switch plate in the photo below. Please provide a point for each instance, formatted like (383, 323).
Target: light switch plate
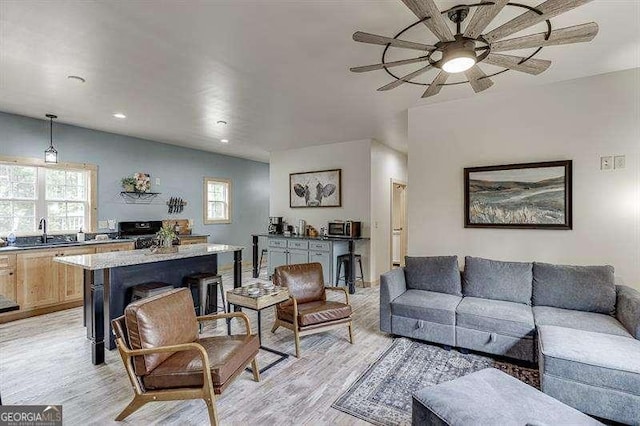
(619, 162)
(102, 224)
(606, 163)
(157, 181)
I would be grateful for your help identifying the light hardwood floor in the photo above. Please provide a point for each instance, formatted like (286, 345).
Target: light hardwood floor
(46, 360)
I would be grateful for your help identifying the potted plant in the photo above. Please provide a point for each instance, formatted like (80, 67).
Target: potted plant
(165, 236)
(128, 184)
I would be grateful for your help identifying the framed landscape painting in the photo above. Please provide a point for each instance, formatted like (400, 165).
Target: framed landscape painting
(530, 195)
(315, 189)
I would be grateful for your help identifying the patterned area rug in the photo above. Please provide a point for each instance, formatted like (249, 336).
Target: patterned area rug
(382, 394)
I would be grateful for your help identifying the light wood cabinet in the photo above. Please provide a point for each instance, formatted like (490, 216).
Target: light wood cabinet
(70, 279)
(188, 239)
(40, 285)
(8, 276)
(37, 279)
(108, 248)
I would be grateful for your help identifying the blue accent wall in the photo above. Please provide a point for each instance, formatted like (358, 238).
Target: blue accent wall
(181, 172)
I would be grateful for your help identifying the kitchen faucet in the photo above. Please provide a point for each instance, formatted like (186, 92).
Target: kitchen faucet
(43, 227)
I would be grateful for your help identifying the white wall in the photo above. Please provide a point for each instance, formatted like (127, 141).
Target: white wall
(386, 164)
(579, 120)
(353, 158)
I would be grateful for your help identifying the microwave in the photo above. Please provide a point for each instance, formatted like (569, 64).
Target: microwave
(346, 229)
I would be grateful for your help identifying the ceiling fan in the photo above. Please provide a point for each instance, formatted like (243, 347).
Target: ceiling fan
(463, 51)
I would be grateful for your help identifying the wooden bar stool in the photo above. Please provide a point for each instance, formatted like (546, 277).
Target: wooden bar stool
(205, 286)
(141, 291)
(343, 259)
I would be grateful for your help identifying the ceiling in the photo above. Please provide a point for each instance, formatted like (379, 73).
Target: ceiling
(276, 70)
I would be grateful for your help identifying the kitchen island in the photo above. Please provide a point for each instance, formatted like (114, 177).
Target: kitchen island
(109, 276)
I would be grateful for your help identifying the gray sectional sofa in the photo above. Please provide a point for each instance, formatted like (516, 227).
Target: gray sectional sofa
(583, 330)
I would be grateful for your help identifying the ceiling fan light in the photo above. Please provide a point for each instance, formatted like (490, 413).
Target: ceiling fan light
(460, 64)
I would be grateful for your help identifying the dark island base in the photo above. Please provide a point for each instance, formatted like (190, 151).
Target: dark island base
(109, 290)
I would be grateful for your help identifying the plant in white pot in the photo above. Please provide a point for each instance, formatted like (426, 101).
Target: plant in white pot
(165, 237)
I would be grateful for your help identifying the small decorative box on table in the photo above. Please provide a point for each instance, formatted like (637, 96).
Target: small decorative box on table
(258, 297)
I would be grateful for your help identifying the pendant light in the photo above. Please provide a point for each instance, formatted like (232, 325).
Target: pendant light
(50, 154)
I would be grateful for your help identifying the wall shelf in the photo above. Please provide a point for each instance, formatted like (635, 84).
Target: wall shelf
(138, 197)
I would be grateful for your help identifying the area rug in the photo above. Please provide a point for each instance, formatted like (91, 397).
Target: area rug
(382, 394)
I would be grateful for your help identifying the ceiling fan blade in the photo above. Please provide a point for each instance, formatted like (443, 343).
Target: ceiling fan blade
(478, 79)
(436, 84)
(382, 40)
(549, 9)
(404, 79)
(532, 66)
(436, 23)
(576, 34)
(388, 64)
(482, 17)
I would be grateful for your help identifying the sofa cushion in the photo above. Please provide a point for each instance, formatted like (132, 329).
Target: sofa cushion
(588, 321)
(495, 316)
(162, 320)
(583, 288)
(184, 369)
(427, 306)
(316, 312)
(437, 273)
(491, 397)
(596, 359)
(493, 279)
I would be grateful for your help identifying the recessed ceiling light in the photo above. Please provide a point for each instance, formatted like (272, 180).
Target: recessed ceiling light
(119, 115)
(224, 140)
(221, 122)
(76, 78)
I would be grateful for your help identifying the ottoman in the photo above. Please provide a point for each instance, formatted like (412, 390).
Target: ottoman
(491, 397)
(596, 373)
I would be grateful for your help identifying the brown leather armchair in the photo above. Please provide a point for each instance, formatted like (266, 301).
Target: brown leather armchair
(308, 311)
(165, 358)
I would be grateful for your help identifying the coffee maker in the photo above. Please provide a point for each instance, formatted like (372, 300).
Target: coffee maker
(276, 225)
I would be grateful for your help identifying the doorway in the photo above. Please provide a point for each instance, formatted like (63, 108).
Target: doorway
(398, 223)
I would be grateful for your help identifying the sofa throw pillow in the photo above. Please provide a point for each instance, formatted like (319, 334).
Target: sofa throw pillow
(582, 288)
(494, 279)
(434, 273)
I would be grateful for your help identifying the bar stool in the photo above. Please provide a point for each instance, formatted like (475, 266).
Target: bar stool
(344, 259)
(141, 291)
(205, 285)
(262, 253)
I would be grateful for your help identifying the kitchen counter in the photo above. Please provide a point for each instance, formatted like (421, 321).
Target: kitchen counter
(97, 261)
(326, 251)
(8, 249)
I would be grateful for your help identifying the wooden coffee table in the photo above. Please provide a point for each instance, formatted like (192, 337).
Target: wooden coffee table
(264, 298)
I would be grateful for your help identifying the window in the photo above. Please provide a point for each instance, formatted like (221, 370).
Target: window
(217, 200)
(61, 193)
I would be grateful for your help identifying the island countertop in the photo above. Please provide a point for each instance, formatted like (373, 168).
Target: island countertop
(98, 261)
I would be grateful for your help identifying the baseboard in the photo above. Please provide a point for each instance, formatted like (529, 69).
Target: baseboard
(16, 315)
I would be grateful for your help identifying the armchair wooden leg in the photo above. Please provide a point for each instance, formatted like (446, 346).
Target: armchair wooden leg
(255, 369)
(129, 409)
(297, 339)
(275, 326)
(351, 333)
(211, 408)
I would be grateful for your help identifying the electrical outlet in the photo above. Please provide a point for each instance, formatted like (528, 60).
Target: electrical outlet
(619, 162)
(606, 163)
(112, 224)
(102, 224)
(157, 181)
